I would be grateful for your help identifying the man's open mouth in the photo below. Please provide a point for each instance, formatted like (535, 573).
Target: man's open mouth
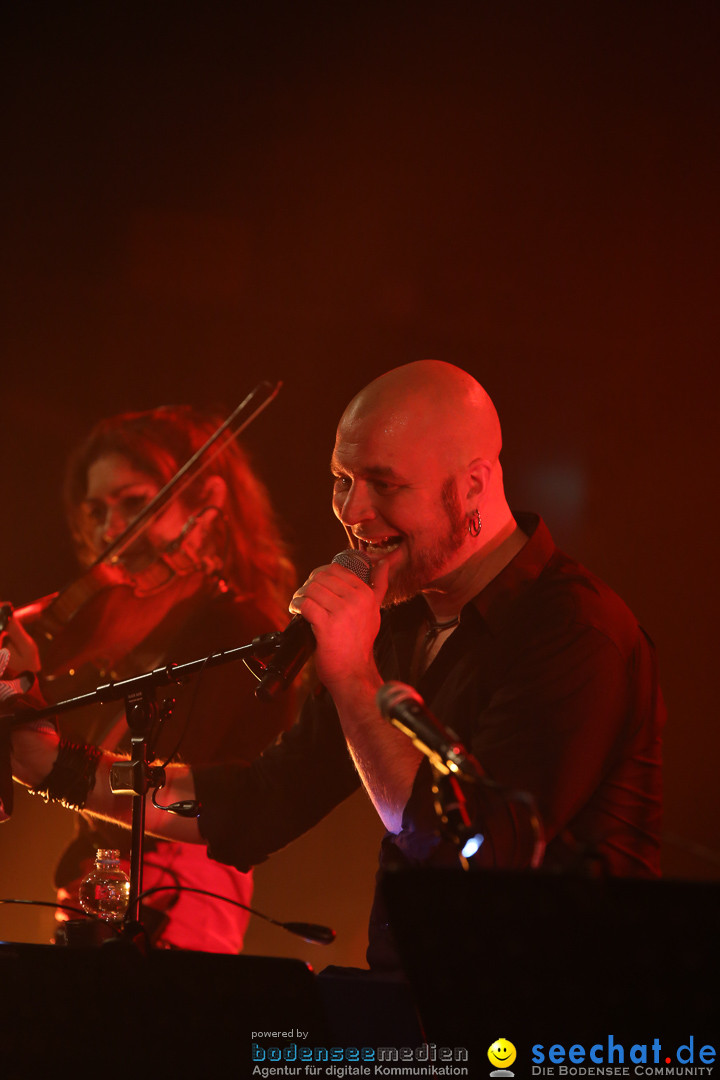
(378, 545)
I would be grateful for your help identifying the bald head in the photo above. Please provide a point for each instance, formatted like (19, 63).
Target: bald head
(438, 404)
(418, 480)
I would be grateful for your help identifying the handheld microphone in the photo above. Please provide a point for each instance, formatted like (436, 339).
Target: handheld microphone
(406, 710)
(293, 647)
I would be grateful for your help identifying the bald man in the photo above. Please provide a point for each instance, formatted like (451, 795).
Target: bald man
(541, 670)
(418, 488)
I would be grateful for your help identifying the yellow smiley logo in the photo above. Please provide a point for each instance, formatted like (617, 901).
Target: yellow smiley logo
(502, 1054)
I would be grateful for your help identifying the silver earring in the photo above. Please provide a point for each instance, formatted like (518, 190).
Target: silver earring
(474, 523)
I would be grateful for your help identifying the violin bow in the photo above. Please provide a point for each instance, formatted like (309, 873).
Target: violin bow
(257, 400)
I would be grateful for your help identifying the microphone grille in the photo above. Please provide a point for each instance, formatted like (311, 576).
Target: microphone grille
(357, 563)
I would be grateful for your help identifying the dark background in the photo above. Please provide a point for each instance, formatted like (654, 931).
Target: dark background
(198, 197)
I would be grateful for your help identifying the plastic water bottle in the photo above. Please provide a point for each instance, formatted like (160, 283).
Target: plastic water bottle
(105, 892)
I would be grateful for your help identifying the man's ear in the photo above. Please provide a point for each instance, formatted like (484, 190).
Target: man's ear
(477, 476)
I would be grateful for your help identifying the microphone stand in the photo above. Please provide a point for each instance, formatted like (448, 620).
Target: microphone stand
(451, 762)
(451, 808)
(137, 776)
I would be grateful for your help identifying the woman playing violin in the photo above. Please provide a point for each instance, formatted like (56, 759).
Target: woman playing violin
(210, 572)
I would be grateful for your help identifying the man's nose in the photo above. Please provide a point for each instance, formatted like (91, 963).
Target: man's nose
(356, 506)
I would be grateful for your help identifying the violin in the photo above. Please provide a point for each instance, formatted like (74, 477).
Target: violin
(111, 623)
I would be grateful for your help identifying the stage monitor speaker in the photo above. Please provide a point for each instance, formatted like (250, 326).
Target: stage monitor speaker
(557, 959)
(109, 1011)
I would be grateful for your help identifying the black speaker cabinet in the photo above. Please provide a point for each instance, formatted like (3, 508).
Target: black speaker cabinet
(562, 960)
(109, 1011)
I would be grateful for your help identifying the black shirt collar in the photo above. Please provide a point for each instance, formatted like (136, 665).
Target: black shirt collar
(495, 601)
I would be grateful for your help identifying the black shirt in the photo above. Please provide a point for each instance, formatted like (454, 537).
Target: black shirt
(551, 683)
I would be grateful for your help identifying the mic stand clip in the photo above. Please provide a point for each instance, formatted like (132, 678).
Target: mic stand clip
(274, 674)
(451, 809)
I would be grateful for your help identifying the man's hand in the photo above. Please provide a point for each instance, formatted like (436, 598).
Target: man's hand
(345, 616)
(344, 613)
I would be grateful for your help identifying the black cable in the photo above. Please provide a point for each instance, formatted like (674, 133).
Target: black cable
(312, 932)
(51, 903)
(191, 807)
(190, 715)
(48, 903)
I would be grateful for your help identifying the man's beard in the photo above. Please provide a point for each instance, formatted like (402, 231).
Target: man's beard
(423, 566)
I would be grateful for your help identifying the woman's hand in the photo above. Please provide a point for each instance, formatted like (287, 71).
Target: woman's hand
(10, 687)
(23, 654)
(34, 743)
